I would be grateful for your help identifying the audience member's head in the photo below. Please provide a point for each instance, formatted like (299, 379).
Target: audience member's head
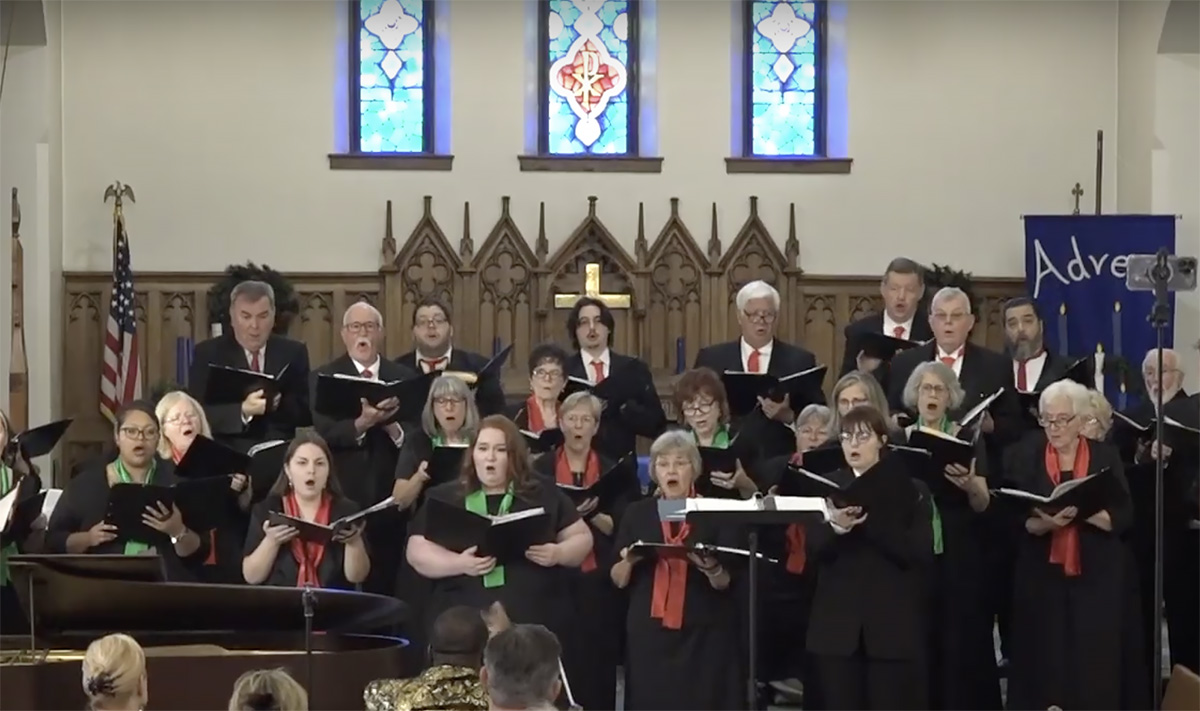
(268, 690)
(458, 637)
(114, 673)
(521, 669)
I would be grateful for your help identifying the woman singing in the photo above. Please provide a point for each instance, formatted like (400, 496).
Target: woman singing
(547, 377)
(77, 524)
(700, 397)
(307, 489)
(450, 418)
(182, 419)
(682, 633)
(1069, 587)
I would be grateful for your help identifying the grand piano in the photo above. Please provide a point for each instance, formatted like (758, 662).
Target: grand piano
(198, 638)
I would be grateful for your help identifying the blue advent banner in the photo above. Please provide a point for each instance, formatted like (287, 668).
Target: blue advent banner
(1075, 271)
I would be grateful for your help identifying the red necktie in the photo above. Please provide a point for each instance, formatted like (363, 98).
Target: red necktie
(431, 364)
(254, 364)
(367, 373)
(950, 360)
(898, 332)
(598, 368)
(752, 363)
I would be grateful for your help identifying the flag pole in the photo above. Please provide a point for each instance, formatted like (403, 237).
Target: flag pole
(1099, 168)
(118, 191)
(18, 365)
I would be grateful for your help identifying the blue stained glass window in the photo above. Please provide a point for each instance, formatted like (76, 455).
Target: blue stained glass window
(784, 76)
(589, 77)
(394, 78)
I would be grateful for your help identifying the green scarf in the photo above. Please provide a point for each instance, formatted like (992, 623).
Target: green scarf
(6, 484)
(135, 547)
(438, 440)
(477, 504)
(938, 542)
(720, 438)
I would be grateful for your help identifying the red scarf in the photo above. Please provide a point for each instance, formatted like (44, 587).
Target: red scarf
(308, 555)
(797, 555)
(670, 579)
(177, 457)
(564, 475)
(533, 414)
(1064, 542)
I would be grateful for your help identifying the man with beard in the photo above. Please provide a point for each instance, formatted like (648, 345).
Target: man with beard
(366, 447)
(590, 328)
(902, 289)
(1033, 366)
(433, 335)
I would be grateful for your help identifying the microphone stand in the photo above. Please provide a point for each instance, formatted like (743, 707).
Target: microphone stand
(308, 598)
(1160, 315)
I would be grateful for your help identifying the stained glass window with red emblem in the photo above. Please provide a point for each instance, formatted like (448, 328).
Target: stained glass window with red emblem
(784, 78)
(588, 69)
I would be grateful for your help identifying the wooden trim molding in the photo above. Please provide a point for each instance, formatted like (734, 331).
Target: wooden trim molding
(390, 161)
(590, 164)
(808, 166)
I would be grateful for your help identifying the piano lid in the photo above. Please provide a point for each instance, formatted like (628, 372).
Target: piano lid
(68, 599)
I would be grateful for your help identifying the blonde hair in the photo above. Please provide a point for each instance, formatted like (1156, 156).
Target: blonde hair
(1100, 409)
(165, 403)
(114, 671)
(268, 690)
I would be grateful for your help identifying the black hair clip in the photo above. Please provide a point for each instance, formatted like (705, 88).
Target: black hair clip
(102, 684)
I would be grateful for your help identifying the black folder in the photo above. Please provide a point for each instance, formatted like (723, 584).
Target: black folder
(743, 389)
(976, 413)
(340, 396)
(871, 491)
(314, 532)
(882, 346)
(926, 466)
(717, 459)
(19, 508)
(1180, 437)
(37, 441)
(623, 384)
(544, 441)
(1080, 372)
(1090, 494)
(824, 459)
(445, 463)
(200, 501)
(227, 385)
(266, 464)
(621, 479)
(207, 458)
(944, 449)
(504, 537)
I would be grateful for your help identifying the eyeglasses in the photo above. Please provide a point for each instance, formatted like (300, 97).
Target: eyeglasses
(943, 317)
(579, 420)
(427, 322)
(362, 327)
(858, 436)
(135, 433)
(931, 389)
(760, 316)
(448, 401)
(547, 374)
(697, 409)
(814, 433)
(181, 418)
(1055, 422)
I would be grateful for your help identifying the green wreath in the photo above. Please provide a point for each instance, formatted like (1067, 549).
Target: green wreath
(287, 304)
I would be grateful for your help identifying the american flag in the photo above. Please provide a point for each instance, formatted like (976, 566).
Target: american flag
(121, 374)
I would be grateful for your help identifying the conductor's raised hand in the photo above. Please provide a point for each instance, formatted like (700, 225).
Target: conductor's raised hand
(255, 404)
(279, 535)
(100, 534)
(546, 555)
(474, 565)
(163, 519)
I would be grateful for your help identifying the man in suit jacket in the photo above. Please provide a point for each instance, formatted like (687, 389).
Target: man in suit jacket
(758, 351)
(253, 346)
(365, 448)
(902, 288)
(590, 326)
(433, 335)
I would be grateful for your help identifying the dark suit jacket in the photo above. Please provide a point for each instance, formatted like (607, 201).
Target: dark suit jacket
(874, 324)
(365, 468)
(872, 581)
(1053, 371)
(489, 396)
(643, 415)
(775, 438)
(226, 420)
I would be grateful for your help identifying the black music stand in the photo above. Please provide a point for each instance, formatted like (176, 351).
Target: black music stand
(752, 521)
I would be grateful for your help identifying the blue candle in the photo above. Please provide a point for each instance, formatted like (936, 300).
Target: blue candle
(1116, 324)
(1122, 398)
(1063, 346)
(680, 353)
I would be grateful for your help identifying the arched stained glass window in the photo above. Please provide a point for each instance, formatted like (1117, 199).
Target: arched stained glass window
(588, 71)
(784, 78)
(392, 55)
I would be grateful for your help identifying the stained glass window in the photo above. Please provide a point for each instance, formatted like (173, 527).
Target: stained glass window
(588, 77)
(784, 78)
(393, 58)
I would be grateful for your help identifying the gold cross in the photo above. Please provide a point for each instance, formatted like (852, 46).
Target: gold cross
(591, 287)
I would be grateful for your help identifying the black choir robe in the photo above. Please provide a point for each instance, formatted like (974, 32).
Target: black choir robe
(331, 572)
(854, 332)
(489, 396)
(697, 666)
(774, 438)
(84, 503)
(1068, 632)
(366, 470)
(412, 588)
(642, 416)
(599, 603)
(870, 607)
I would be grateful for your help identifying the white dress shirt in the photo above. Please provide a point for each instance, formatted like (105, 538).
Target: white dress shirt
(1033, 370)
(444, 358)
(605, 358)
(957, 356)
(764, 356)
(890, 326)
